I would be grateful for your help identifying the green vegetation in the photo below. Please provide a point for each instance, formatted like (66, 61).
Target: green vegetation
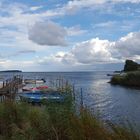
(131, 66)
(20, 121)
(131, 79)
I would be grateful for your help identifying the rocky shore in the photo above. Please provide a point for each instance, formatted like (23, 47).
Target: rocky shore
(130, 76)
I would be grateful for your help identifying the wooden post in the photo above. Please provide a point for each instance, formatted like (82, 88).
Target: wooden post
(81, 91)
(66, 86)
(59, 83)
(56, 83)
(73, 92)
(62, 84)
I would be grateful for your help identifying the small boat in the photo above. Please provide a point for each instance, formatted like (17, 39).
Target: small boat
(26, 89)
(34, 81)
(38, 97)
(30, 89)
(35, 88)
(42, 87)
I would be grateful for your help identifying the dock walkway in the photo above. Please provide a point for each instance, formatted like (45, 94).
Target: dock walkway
(10, 87)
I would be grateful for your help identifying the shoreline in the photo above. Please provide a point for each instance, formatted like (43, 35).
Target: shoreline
(129, 79)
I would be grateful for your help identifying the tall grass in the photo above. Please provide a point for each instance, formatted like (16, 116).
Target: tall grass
(20, 121)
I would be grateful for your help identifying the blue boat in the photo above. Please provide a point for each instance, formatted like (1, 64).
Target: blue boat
(38, 97)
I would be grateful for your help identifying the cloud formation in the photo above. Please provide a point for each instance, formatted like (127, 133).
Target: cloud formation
(129, 45)
(75, 31)
(92, 51)
(105, 51)
(75, 5)
(17, 18)
(48, 33)
(96, 51)
(87, 54)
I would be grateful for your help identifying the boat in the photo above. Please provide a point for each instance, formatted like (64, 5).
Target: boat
(26, 89)
(30, 89)
(42, 87)
(34, 81)
(35, 88)
(38, 97)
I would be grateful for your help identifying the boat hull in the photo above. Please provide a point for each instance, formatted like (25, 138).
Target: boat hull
(34, 81)
(40, 88)
(39, 97)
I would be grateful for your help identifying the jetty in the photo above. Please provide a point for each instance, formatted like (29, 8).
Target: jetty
(10, 87)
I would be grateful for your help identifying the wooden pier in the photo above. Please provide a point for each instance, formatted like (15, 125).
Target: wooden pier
(10, 87)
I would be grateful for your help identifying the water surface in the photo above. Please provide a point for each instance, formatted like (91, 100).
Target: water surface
(114, 103)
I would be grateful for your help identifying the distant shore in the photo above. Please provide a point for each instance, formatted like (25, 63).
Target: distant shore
(11, 71)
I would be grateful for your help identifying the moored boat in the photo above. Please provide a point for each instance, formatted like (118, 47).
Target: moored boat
(38, 97)
(42, 87)
(35, 88)
(34, 81)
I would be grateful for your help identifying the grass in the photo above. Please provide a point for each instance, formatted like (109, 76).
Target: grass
(20, 121)
(131, 79)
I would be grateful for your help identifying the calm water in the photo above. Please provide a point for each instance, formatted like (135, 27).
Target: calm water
(114, 103)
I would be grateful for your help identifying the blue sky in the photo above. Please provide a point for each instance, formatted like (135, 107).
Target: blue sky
(74, 35)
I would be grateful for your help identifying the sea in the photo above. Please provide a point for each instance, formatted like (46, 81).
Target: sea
(112, 103)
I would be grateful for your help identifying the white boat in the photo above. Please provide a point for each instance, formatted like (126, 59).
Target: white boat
(34, 81)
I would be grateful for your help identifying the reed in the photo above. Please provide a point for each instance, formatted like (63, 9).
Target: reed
(56, 122)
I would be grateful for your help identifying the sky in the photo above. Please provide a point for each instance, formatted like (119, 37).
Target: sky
(68, 35)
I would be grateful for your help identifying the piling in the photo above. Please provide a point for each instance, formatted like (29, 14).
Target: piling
(10, 87)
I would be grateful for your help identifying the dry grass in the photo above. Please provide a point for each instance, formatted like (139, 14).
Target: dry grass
(19, 121)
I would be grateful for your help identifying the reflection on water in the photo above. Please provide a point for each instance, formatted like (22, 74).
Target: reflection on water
(113, 103)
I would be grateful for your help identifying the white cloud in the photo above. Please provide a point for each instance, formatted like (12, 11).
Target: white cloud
(34, 8)
(85, 54)
(9, 64)
(92, 51)
(107, 24)
(69, 59)
(48, 33)
(75, 31)
(129, 46)
(124, 25)
(74, 5)
(19, 13)
(17, 18)
(89, 52)
(96, 51)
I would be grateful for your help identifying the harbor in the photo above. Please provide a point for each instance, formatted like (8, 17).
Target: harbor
(45, 108)
(34, 91)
